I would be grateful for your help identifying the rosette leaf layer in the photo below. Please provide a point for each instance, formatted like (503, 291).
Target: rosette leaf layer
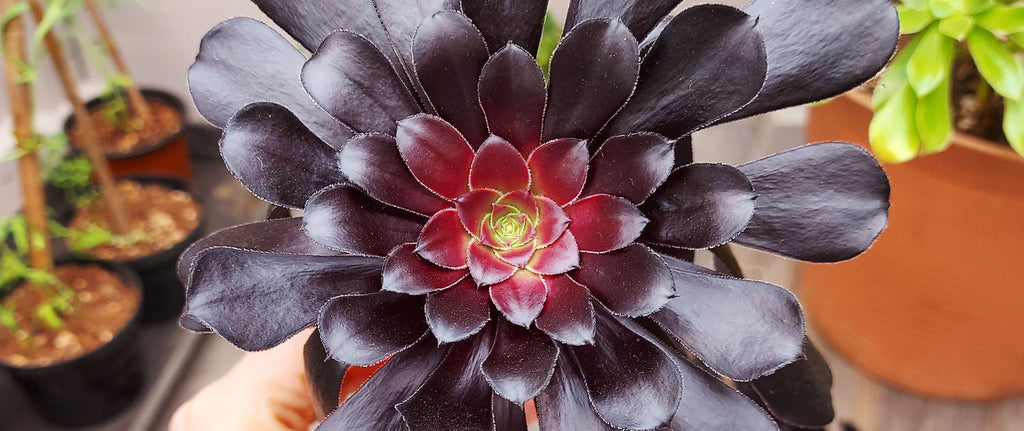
(497, 237)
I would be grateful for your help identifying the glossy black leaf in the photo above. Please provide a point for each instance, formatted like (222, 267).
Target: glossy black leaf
(631, 166)
(363, 330)
(641, 16)
(742, 329)
(372, 407)
(820, 48)
(708, 63)
(242, 61)
(513, 95)
(373, 162)
(264, 145)
(256, 300)
(323, 374)
(819, 203)
(311, 21)
(565, 404)
(343, 218)
(699, 206)
(503, 21)
(520, 362)
(458, 312)
(593, 72)
(507, 416)
(402, 18)
(631, 282)
(800, 394)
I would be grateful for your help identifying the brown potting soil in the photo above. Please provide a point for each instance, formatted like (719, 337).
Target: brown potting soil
(118, 141)
(979, 113)
(158, 219)
(102, 305)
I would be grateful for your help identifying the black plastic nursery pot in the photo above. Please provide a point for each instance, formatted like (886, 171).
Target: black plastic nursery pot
(164, 295)
(168, 156)
(95, 387)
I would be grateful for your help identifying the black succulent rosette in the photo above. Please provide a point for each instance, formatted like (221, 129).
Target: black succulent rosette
(499, 238)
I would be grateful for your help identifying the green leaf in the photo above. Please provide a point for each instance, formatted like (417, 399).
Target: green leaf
(996, 64)
(915, 4)
(1013, 124)
(893, 131)
(913, 20)
(957, 26)
(931, 61)
(935, 119)
(1003, 19)
(1018, 39)
(942, 8)
(47, 314)
(13, 12)
(895, 76)
(972, 7)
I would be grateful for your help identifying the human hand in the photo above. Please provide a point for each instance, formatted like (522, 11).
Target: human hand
(265, 391)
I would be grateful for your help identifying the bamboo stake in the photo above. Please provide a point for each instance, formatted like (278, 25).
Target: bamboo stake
(136, 100)
(20, 97)
(87, 129)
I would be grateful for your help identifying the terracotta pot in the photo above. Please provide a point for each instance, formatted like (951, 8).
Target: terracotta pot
(935, 305)
(168, 156)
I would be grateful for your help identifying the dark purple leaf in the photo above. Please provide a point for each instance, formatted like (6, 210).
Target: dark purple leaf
(559, 170)
(800, 394)
(486, 268)
(323, 374)
(264, 145)
(820, 49)
(640, 15)
(402, 18)
(819, 203)
(632, 382)
(513, 94)
(520, 362)
(568, 314)
(256, 300)
(632, 282)
(436, 153)
(700, 206)
(372, 407)
(708, 63)
(499, 166)
(373, 163)
(343, 218)
(565, 404)
(741, 329)
(593, 72)
(311, 21)
(242, 61)
(520, 22)
(449, 54)
(363, 330)
(443, 240)
(507, 416)
(630, 166)
(560, 257)
(602, 223)
(520, 298)
(405, 272)
(456, 313)
(456, 396)
(352, 80)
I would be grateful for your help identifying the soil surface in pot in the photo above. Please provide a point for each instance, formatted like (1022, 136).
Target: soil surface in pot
(978, 109)
(128, 136)
(158, 218)
(102, 305)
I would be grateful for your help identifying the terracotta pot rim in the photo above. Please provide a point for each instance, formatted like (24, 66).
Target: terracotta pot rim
(167, 98)
(965, 140)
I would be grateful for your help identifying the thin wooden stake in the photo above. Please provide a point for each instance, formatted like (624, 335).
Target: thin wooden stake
(136, 100)
(90, 139)
(20, 97)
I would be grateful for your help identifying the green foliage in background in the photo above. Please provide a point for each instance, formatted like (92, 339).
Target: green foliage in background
(548, 41)
(73, 176)
(16, 240)
(912, 102)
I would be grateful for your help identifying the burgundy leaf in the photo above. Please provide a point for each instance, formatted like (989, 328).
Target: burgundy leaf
(485, 267)
(474, 206)
(256, 300)
(700, 206)
(602, 223)
(520, 298)
(632, 282)
(632, 383)
(272, 68)
(521, 200)
(820, 203)
(513, 94)
(372, 162)
(343, 218)
(444, 241)
(520, 22)
(264, 144)
(352, 80)
(741, 329)
(449, 53)
(520, 362)
(437, 154)
(405, 272)
(499, 166)
(565, 404)
(593, 73)
(558, 258)
(708, 63)
(458, 312)
(631, 166)
(322, 374)
(568, 314)
(551, 221)
(559, 170)
(640, 15)
(518, 256)
(365, 329)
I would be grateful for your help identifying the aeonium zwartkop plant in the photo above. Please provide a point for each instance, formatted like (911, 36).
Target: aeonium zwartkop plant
(498, 239)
